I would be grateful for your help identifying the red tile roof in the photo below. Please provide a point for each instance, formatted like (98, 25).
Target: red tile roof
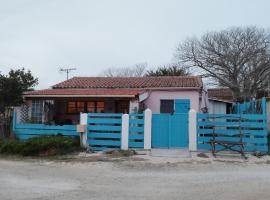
(220, 93)
(132, 82)
(83, 92)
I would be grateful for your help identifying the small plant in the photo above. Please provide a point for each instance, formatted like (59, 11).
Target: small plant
(41, 146)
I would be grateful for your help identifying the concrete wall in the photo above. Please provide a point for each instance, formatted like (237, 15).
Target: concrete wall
(153, 101)
(217, 107)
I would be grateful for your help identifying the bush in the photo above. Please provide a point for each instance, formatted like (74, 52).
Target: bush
(41, 146)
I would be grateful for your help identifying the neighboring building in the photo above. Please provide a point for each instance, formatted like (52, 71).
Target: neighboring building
(216, 106)
(64, 101)
(220, 100)
(220, 94)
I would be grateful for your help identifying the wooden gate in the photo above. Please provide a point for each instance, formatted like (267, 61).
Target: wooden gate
(170, 131)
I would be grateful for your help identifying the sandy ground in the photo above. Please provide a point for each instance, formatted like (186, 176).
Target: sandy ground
(139, 177)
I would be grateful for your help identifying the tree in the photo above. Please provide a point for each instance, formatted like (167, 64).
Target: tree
(169, 70)
(237, 58)
(137, 70)
(12, 87)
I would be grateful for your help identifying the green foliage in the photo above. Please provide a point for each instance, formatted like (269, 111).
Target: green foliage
(41, 146)
(12, 87)
(171, 70)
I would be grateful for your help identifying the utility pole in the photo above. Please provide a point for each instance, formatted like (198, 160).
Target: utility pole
(67, 70)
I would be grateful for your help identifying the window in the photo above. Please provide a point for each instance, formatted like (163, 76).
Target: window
(90, 106)
(80, 106)
(75, 107)
(122, 107)
(166, 106)
(100, 107)
(36, 111)
(71, 107)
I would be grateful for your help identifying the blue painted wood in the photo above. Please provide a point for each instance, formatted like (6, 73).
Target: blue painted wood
(136, 121)
(136, 131)
(136, 136)
(232, 116)
(104, 115)
(135, 144)
(26, 131)
(104, 130)
(104, 135)
(45, 127)
(136, 115)
(104, 142)
(230, 131)
(106, 121)
(253, 126)
(182, 105)
(252, 107)
(170, 131)
(98, 148)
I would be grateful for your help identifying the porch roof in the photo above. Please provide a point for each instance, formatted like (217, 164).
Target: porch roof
(84, 93)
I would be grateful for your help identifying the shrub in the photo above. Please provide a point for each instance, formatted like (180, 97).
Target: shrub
(41, 146)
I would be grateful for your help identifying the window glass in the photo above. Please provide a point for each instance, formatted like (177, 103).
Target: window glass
(37, 108)
(100, 106)
(71, 107)
(123, 107)
(91, 106)
(166, 106)
(80, 106)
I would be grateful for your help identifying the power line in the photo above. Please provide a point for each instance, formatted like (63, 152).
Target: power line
(67, 70)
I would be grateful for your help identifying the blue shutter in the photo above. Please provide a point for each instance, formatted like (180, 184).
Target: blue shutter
(182, 105)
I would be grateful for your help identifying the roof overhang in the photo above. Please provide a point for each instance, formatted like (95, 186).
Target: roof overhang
(219, 100)
(65, 96)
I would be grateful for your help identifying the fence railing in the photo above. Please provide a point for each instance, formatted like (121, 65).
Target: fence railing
(253, 128)
(252, 107)
(26, 130)
(136, 131)
(104, 131)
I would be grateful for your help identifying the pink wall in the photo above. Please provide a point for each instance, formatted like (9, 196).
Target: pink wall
(153, 101)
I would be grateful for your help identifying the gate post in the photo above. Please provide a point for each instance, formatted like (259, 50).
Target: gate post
(83, 135)
(124, 132)
(192, 129)
(147, 128)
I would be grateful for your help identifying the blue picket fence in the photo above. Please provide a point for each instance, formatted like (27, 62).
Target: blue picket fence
(252, 126)
(136, 131)
(104, 131)
(252, 107)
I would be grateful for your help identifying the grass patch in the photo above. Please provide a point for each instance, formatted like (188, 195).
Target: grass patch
(41, 146)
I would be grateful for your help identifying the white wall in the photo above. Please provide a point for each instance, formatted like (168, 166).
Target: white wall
(217, 107)
(153, 101)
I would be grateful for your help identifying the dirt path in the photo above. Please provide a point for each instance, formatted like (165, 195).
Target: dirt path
(133, 180)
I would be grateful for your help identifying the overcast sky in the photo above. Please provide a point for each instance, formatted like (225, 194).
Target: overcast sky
(92, 35)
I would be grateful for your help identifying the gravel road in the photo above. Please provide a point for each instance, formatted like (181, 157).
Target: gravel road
(133, 180)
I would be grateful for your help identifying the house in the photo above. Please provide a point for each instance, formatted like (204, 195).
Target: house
(62, 103)
(220, 100)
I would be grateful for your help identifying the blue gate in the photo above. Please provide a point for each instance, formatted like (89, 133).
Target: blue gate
(170, 131)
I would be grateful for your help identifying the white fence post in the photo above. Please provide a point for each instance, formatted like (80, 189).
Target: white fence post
(147, 128)
(124, 132)
(83, 121)
(192, 130)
